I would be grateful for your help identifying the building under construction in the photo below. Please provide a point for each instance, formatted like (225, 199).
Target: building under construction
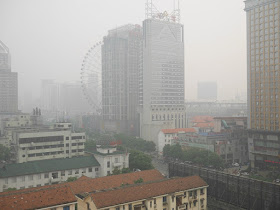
(120, 79)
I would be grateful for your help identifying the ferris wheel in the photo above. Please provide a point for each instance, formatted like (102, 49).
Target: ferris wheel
(91, 77)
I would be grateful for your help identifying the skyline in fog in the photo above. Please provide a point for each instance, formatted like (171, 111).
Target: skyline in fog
(48, 39)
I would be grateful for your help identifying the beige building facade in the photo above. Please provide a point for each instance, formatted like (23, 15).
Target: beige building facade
(177, 193)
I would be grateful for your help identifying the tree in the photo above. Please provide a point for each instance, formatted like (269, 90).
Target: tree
(139, 160)
(90, 145)
(135, 143)
(71, 179)
(196, 155)
(116, 171)
(125, 170)
(5, 153)
(140, 180)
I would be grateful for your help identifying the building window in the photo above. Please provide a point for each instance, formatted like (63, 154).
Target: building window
(46, 176)
(108, 164)
(62, 173)
(70, 172)
(96, 169)
(151, 203)
(164, 200)
(83, 171)
(116, 160)
(190, 194)
(39, 176)
(89, 169)
(155, 201)
(55, 175)
(30, 177)
(77, 171)
(38, 185)
(201, 192)
(130, 207)
(66, 207)
(108, 173)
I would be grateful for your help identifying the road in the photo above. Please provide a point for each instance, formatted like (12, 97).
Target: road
(160, 166)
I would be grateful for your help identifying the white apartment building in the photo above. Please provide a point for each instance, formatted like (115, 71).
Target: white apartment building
(47, 172)
(167, 137)
(30, 141)
(109, 158)
(162, 85)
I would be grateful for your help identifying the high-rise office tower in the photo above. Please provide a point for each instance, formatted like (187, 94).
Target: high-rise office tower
(8, 83)
(162, 74)
(120, 79)
(263, 72)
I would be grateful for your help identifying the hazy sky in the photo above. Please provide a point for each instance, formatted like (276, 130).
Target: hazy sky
(49, 38)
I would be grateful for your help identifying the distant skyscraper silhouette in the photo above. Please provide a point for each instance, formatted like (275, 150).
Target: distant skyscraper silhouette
(8, 83)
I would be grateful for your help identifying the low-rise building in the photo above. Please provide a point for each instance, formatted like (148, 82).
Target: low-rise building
(176, 193)
(47, 172)
(58, 196)
(110, 158)
(29, 140)
(50, 198)
(167, 136)
(229, 147)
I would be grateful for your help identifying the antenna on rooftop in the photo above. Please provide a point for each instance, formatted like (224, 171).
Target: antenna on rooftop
(153, 13)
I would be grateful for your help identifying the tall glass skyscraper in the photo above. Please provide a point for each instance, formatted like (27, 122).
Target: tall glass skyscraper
(120, 79)
(263, 72)
(162, 88)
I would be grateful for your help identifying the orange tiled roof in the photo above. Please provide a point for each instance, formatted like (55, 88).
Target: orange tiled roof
(145, 190)
(176, 130)
(37, 198)
(83, 184)
(204, 125)
(107, 182)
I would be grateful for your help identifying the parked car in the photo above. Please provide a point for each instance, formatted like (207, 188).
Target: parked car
(245, 174)
(277, 180)
(235, 164)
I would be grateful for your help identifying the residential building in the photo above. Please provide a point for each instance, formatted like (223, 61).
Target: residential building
(167, 136)
(47, 172)
(263, 78)
(177, 193)
(29, 140)
(216, 108)
(120, 79)
(59, 196)
(202, 124)
(162, 86)
(8, 83)
(207, 91)
(229, 124)
(232, 148)
(110, 158)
